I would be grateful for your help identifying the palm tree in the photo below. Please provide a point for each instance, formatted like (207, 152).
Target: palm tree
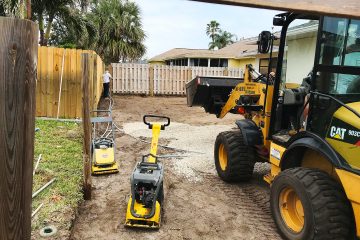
(225, 38)
(12, 8)
(74, 30)
(16, 8)
(222, 39)
(212, 30)
(45, 12)
(120, 30)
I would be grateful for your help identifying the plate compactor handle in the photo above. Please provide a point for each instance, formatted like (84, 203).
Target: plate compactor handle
(146, 117)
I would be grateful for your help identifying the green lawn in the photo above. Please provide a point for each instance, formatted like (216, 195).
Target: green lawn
(60, 144)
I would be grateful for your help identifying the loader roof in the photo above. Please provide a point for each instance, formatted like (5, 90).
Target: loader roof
(345, 8)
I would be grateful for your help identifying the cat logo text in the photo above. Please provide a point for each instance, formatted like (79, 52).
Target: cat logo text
(337, 133)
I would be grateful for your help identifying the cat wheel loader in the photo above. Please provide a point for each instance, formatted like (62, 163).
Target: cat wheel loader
(310, 133)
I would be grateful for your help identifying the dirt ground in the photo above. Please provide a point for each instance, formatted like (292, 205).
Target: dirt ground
(198, 205)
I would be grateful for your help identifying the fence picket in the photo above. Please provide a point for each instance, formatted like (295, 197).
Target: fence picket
(130, 78)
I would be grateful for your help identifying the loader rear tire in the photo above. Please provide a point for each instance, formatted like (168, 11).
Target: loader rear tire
(234, 161)
(309, 204)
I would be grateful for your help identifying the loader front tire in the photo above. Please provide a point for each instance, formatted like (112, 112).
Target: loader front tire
(234, 161)
(309, 204)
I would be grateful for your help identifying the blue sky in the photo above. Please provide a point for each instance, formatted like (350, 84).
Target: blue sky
(180, 23)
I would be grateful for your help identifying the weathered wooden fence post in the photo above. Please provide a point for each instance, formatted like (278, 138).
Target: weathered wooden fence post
(189, 73)
(18, 62)
(151, 79)
(85, 85)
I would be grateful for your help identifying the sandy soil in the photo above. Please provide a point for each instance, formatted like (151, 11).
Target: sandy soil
(198, 205)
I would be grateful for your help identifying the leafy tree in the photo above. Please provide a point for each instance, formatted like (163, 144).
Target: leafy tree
(224, 38)
(47, 12)
(12, 8)
(120, 30)
(74, 32)
(112, 28)
(219, 38)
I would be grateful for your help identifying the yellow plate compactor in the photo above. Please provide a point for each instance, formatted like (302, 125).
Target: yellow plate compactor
(147, 194)
(103, 145)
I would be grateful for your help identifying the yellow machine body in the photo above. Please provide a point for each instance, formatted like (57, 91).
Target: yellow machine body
(349, 151)
(139, 208)
(104, 161)
(256, 90)
(104, 156)
(156, 127)
(153, 222)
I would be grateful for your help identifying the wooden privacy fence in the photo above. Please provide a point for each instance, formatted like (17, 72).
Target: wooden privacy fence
(161, 79)
(58, 88)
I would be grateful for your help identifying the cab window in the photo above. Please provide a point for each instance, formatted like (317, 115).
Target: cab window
(340, 47)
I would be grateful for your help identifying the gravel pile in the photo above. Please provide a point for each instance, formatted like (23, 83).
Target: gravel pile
(196, 141)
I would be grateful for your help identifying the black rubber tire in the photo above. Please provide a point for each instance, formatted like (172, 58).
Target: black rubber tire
(240, 158)
(327, 211)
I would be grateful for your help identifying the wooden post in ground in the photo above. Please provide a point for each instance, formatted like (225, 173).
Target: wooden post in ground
(151, 79)
(85, 64)
(18, 61)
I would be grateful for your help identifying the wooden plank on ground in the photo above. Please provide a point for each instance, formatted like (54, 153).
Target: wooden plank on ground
(63, 85)
(72, 87)
(50, 82)
(38, 85)
(42, 82)
(78, 84)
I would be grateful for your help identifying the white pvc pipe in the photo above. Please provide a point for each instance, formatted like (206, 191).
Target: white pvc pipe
(36, 210)
(43, 187)
(37, 164)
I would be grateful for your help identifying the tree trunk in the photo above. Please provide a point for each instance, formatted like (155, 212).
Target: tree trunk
(41, 29)
(28, 9)
(48, 30)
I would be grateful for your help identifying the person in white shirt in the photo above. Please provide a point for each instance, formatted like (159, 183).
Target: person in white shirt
(106, 83)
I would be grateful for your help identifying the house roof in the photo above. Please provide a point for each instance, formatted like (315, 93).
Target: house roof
(178, 53)
(308, 29)
(239, 49)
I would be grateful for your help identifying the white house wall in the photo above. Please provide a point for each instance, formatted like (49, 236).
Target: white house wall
(300, 58)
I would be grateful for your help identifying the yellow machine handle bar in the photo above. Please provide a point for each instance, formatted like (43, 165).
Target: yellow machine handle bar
(155, 116)
(156, 128)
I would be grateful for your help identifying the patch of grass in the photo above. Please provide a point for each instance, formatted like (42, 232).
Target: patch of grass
(60, 144)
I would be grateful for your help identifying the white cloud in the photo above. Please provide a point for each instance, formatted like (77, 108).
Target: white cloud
(179, 23)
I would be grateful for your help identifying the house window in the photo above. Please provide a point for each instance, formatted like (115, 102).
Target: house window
(264, 64)
(218, 62)
(177, 62)
(199, 62)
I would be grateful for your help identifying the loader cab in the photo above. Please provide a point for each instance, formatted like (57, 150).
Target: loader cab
(293, 73)
(337, 67)
(333, 78)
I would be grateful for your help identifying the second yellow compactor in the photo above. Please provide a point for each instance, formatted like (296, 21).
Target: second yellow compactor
(147, 191)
